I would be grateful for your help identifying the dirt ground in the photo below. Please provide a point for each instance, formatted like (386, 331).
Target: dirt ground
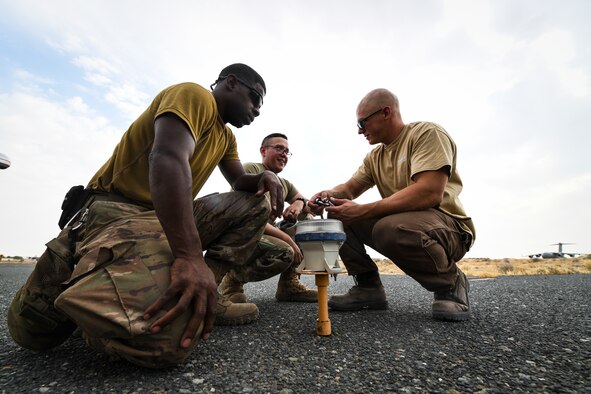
(486, 268)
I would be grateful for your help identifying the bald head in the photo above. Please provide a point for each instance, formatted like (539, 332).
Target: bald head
(378, 117)
(379, 98)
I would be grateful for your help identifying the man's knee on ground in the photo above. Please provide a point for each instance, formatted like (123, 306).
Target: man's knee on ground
(156, 351)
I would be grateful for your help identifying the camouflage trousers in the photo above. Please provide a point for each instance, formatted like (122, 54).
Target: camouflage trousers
(271, 257)
(123, 263)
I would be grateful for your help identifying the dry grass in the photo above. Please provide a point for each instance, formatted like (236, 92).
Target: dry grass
(490, 268)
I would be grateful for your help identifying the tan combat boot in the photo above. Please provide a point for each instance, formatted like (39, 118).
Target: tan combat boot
(291, 289)
(368, 293)
(358, 298)
(231, 314)
(232, 288)
(453, 304)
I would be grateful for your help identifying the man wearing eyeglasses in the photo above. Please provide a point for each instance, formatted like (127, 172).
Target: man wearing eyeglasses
(276, 252)
(419, 223)
(129, 267)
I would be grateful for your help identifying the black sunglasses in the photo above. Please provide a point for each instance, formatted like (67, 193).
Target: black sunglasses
(361, 122)
(255, 96)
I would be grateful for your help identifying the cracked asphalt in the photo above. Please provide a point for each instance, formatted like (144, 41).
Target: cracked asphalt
(527, 334)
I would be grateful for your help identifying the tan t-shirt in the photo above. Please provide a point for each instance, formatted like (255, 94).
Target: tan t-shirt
(127, 172)
(421, 146)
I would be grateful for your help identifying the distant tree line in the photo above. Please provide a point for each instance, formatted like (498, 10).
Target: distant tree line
(17, 258)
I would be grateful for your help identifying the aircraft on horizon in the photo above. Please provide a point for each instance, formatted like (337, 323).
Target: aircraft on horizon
(555, 255)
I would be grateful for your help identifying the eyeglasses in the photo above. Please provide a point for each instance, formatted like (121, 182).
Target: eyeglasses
(255, 96)
(280, 149)
(361, 122)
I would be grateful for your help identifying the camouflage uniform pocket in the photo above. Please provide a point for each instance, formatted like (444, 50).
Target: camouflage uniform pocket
(33, 321)
(108, 299)
(123, 270)
(108, 253)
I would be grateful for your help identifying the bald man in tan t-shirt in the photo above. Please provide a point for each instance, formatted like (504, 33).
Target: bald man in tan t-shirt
(419, 223)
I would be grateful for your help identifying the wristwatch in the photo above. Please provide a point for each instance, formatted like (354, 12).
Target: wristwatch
(303, 200)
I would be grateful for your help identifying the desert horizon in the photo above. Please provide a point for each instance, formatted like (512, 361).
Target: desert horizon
(475, 267)
(489, 268)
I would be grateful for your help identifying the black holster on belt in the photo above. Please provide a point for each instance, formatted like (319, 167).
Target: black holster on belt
(74, 200)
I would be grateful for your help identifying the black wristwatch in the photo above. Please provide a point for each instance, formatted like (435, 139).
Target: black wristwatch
(303, 200)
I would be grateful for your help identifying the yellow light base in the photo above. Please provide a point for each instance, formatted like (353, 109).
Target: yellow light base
(323, 326)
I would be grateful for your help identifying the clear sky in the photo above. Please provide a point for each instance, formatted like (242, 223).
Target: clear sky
(509, 80)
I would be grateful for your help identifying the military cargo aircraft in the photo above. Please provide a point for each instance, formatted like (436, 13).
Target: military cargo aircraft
(555, 255)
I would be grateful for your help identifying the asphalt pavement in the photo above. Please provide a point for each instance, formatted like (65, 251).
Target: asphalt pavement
(527, 334)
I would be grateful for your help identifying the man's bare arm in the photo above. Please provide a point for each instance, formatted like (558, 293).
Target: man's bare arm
(426, 192)
(192, 283)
